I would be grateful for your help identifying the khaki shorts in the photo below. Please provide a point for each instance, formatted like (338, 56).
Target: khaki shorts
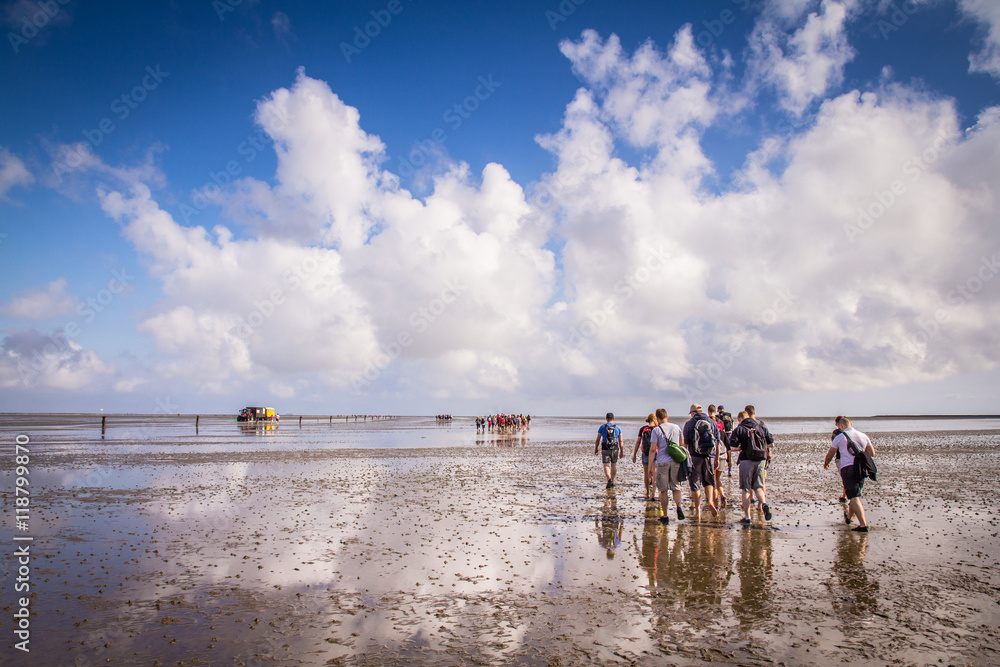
(752, 475)
(666, 476)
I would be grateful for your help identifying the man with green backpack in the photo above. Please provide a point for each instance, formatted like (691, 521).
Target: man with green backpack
(666, 454)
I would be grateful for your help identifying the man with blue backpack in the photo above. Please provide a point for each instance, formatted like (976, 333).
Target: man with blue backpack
(702, 437)
(609, 442)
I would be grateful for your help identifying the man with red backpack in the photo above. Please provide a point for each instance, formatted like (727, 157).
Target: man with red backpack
(645, 433)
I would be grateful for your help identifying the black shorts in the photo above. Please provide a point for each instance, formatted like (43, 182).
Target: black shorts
(852, 483)
(701, 472)
(609, 455)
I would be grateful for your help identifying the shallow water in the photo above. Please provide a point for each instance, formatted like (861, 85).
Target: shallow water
(406, 541)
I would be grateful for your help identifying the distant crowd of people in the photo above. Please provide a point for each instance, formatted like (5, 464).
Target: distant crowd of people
(502, 423)
(692, 453)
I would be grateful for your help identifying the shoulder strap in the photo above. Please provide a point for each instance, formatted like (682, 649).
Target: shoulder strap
(665, 436)
(852, 447)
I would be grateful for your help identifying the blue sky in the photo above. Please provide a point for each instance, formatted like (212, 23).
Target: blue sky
(552, 207)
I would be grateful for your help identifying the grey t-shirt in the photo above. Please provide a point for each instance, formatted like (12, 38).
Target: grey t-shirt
(672, 433)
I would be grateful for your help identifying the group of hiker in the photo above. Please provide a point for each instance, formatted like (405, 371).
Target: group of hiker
(693, 453)
(502, 423)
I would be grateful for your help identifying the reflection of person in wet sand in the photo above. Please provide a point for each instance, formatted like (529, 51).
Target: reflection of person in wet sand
(650, 548)
(754, 568)
(689, 571)
(610, 525)
(860, 598)
(706, 569)
(670, 574)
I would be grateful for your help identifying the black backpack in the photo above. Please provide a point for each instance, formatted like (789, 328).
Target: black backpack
(704, 441)
(647, 435)
(610, 441)
(755, 448)
(727, 422)
(864, 464)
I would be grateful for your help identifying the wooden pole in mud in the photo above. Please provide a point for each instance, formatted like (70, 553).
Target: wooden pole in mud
(197, 418)
(104, 419)
(300, 421)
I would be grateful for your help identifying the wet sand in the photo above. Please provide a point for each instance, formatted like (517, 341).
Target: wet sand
(501, 551)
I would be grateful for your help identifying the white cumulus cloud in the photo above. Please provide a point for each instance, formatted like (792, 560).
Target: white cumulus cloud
(853, 252)
(41, 304)
(29, 358)
(987, 12)
(803, 65)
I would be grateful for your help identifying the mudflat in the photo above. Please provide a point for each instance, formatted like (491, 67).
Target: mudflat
(226, 548)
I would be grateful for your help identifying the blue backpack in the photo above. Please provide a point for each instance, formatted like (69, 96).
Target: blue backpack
(705, 440)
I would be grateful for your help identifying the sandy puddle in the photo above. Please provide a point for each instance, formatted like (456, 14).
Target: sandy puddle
(487, 554)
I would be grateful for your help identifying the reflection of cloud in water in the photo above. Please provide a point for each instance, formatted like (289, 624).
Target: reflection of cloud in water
(266, 524)
(490, 553)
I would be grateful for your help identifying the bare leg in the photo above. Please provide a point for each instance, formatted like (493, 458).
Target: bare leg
(858, 510)
(696, 505)
(609, 471)
(664, 498)
(710, 495)
(614, 471)
(746, 503)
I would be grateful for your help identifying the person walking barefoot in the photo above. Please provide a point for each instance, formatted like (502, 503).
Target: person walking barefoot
(645, 433)
(702, 437)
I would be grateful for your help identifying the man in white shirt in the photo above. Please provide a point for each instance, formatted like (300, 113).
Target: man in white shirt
(853, 484)
(662, 467)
